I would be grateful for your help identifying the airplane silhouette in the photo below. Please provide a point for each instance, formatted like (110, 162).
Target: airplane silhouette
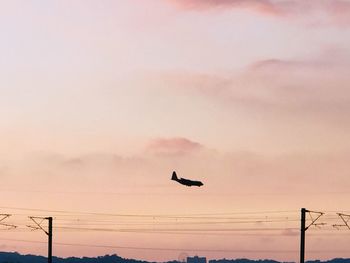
(184, 181)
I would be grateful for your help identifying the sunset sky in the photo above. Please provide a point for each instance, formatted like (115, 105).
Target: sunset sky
(101, 100)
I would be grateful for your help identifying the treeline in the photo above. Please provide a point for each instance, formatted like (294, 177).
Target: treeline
(14, 257)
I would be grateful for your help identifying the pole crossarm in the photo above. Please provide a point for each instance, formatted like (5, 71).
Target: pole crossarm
(2, 218)
(48, 232)
(313, 220)
(38, 224)
(303, 228)
(9, 226)
(345, 218)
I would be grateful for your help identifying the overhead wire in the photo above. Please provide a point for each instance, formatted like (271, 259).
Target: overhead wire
(148, 215)
(178, 249)
(177, 224)
(170, 223)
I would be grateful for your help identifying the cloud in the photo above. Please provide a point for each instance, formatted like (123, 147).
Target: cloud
(69, 170)
(307, 85)
(330, 59)
(238, 173)
(290, 232)
(276, 64)
(262, 6)
(176, 146)
(340, 11)
(270, 172)
(305, 88)
(324, 11)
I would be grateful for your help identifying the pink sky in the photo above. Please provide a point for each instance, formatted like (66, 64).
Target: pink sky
(102, 100)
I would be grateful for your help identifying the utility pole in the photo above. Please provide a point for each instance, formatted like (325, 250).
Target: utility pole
(50, 240)
(302, 235)
(303, 229)
(48, 233)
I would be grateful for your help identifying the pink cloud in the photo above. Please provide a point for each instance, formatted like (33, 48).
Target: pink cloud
(340, 11)
(275, 63)
(312, 88)
(262, 6)
(173, 146)
(289, 232)
(331, 58)
(295, 65)
(335, 12)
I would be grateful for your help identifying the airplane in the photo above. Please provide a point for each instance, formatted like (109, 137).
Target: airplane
(184, 181)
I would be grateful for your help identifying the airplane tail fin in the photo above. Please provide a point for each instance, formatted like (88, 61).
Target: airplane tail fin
(174, 176)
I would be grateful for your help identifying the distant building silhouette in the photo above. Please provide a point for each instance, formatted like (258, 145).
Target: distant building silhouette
(196, 259)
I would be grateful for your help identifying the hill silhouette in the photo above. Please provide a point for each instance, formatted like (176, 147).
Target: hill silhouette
(14, 257)
(244, 260)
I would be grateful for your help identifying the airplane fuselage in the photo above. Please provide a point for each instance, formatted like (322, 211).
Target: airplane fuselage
(186, 182)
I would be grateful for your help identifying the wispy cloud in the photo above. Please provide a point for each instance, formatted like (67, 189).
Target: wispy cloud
(176, 146)
(290, 232)
(311, 87)
(276, 64)
(331, 58)
(329, 11)
(263, 6)
(237, 173)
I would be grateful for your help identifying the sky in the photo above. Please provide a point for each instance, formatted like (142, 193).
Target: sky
(101, 100)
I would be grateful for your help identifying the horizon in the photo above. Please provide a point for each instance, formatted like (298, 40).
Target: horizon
(102, 100)
(174, 260)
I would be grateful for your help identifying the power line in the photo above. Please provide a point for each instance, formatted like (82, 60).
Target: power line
(139, 230)
(150, 215)
(177, 249)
